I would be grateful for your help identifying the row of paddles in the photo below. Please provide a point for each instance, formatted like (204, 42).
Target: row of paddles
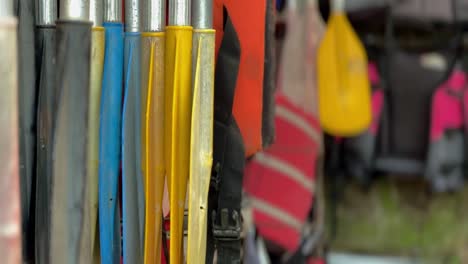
(123, 110)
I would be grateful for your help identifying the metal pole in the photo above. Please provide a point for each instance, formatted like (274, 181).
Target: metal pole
(96, 12)
(74, 10)
(202, 14)
(46, 12)
(6, 8)
(112, 11)
(132, 15)
(154, 18)
(179, 12)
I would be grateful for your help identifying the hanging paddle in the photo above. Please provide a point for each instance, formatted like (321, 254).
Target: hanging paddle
(110, 133)
(344, 90)
(45, 69)
(132, 180)
(201, 138)
(152, 88)
(10, 221)
(97, 65)
(70, 212)
(178, 103)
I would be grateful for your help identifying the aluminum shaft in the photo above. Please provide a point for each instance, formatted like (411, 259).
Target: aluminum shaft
(6, 8)
(74, 10)
(132, 15)
(202, 14)
(338, 5)
(46, 12)
(154, 16)
(113, 11)
(179, 12)
(96, 12)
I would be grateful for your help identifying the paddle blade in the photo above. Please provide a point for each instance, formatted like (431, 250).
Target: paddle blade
(153, 141)
(97, 66)
(344, 90)
(201, 149)
(178, 66)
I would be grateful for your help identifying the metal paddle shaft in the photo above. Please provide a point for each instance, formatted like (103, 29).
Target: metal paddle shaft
(70, 214)
(152, 118)
(110, 133)
(45, 44)
(96, 14)
(10, 220)
(201, 152)
(132, 179)
(178, 104)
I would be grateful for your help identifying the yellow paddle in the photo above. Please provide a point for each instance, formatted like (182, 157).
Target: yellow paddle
(178, 104)
(201, 149)
(97, 67)
(344, 90)
(152, 70)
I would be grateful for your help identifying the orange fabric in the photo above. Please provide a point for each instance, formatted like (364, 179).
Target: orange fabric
(248, 18)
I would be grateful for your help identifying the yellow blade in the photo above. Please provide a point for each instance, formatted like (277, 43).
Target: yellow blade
(178, 83)
(344, 90)
(97, 65)
(153, 141)
(201, 147)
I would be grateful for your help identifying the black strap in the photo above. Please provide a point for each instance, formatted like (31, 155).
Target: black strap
(225, 195)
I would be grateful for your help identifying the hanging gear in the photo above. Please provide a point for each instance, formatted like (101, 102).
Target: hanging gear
(418, 123)
(248, 98)
(344, 89)
(224, 217)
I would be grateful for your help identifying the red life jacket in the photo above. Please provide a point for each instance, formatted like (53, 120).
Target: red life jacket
(248, 18)
(280, 180)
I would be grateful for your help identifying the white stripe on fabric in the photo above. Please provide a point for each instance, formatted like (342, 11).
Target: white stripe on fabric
(276, 213)
(285, 169)
(298, 122)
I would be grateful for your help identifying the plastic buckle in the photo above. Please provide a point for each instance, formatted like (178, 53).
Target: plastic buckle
(215, 176)
(227, 231)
